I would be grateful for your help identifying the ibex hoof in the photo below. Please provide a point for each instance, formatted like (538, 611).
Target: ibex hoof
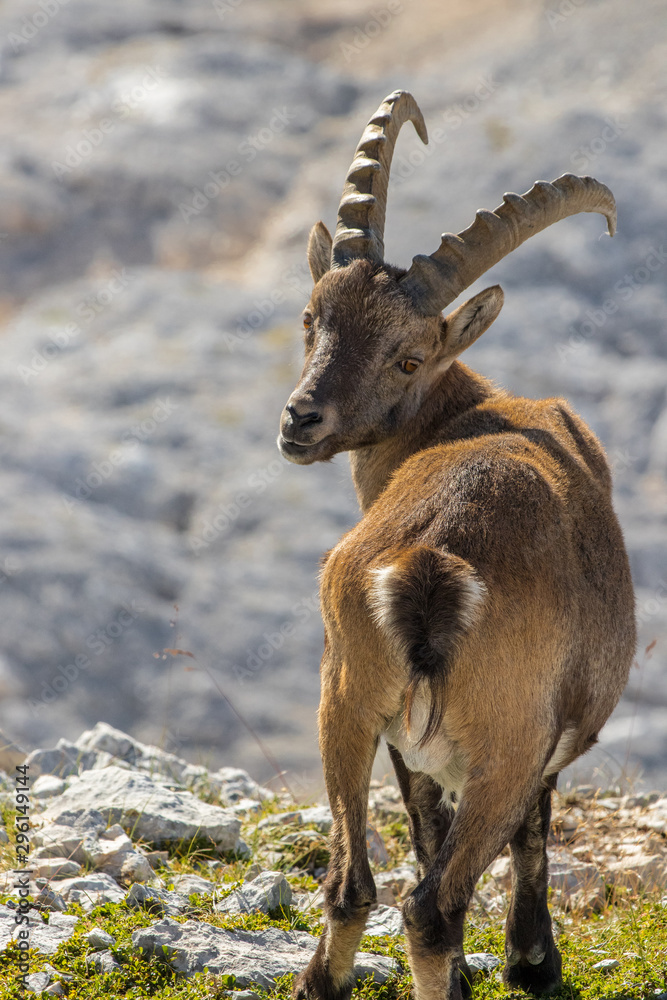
(538, 971)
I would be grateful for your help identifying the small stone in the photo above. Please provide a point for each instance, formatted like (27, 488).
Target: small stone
(393, 885)
(136, 868)
(191, 885)
(377, 852)
(244, 995)
(91, 890)
(384, 920)
(48, 899)
(301, 837)
(47, 785)
(99, 939)
(501, 873)
(265, 893)
(55, 868)
(55, 990)
(159, 901)
(253, 871)
(58, 841)
(159, 859)
(481, 963)
(102, 961)
(37, 982)
(606, 965)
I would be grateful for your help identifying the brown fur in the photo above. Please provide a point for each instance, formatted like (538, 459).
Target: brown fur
(485, 590)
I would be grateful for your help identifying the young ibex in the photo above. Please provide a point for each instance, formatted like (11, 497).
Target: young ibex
(480, 615)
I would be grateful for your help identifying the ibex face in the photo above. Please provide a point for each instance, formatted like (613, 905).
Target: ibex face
(371, 359)
(376, 341)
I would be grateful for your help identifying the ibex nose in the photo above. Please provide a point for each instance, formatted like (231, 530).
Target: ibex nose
(304, 419)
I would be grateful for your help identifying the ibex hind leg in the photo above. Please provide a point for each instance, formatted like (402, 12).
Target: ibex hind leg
(533, 961)
(430, 818)
(486, 819)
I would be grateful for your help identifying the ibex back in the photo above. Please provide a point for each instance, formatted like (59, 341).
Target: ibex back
(480, 616)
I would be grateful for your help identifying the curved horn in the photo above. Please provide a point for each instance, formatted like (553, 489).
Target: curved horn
(360, 226)
(435, 281)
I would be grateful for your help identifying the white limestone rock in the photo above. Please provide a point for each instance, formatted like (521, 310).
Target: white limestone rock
(55, 868)
(157, 900)
(91, 890)
(266, 892)
(384, 920)
(257, 957)
(153, 811)
(99, 939)
(44, 937)
(47, 785)
(481, 963)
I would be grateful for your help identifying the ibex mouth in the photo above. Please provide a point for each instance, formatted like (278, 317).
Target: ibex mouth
(305, 454)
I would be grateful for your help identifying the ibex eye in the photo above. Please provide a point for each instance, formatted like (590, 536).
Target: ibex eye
(307, 321)
(410, 365)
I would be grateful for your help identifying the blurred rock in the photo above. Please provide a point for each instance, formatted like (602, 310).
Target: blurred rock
(150, 809)
(150, 293)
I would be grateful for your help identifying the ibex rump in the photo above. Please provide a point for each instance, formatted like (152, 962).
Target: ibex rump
(480, 615)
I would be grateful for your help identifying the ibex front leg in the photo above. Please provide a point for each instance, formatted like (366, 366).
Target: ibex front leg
(348, 741)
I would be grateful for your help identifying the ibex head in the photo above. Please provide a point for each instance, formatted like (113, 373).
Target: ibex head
(375, 337)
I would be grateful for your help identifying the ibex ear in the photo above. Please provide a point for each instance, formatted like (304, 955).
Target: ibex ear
(463, 326)
(319, 251)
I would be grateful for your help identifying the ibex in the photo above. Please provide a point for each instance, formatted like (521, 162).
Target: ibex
(480, 616)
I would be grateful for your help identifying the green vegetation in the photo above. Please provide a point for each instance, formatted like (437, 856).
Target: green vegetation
(632, 929)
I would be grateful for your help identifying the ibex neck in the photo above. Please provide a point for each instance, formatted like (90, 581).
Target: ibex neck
(458, 390)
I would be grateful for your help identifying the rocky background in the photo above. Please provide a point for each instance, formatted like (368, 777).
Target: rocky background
(161, 165)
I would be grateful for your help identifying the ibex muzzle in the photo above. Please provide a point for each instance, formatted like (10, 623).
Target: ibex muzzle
(480, 616)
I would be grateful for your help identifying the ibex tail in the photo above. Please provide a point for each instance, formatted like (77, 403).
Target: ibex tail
(425, 600)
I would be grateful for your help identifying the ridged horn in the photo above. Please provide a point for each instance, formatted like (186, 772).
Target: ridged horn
(360, 226)
(435, 281)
